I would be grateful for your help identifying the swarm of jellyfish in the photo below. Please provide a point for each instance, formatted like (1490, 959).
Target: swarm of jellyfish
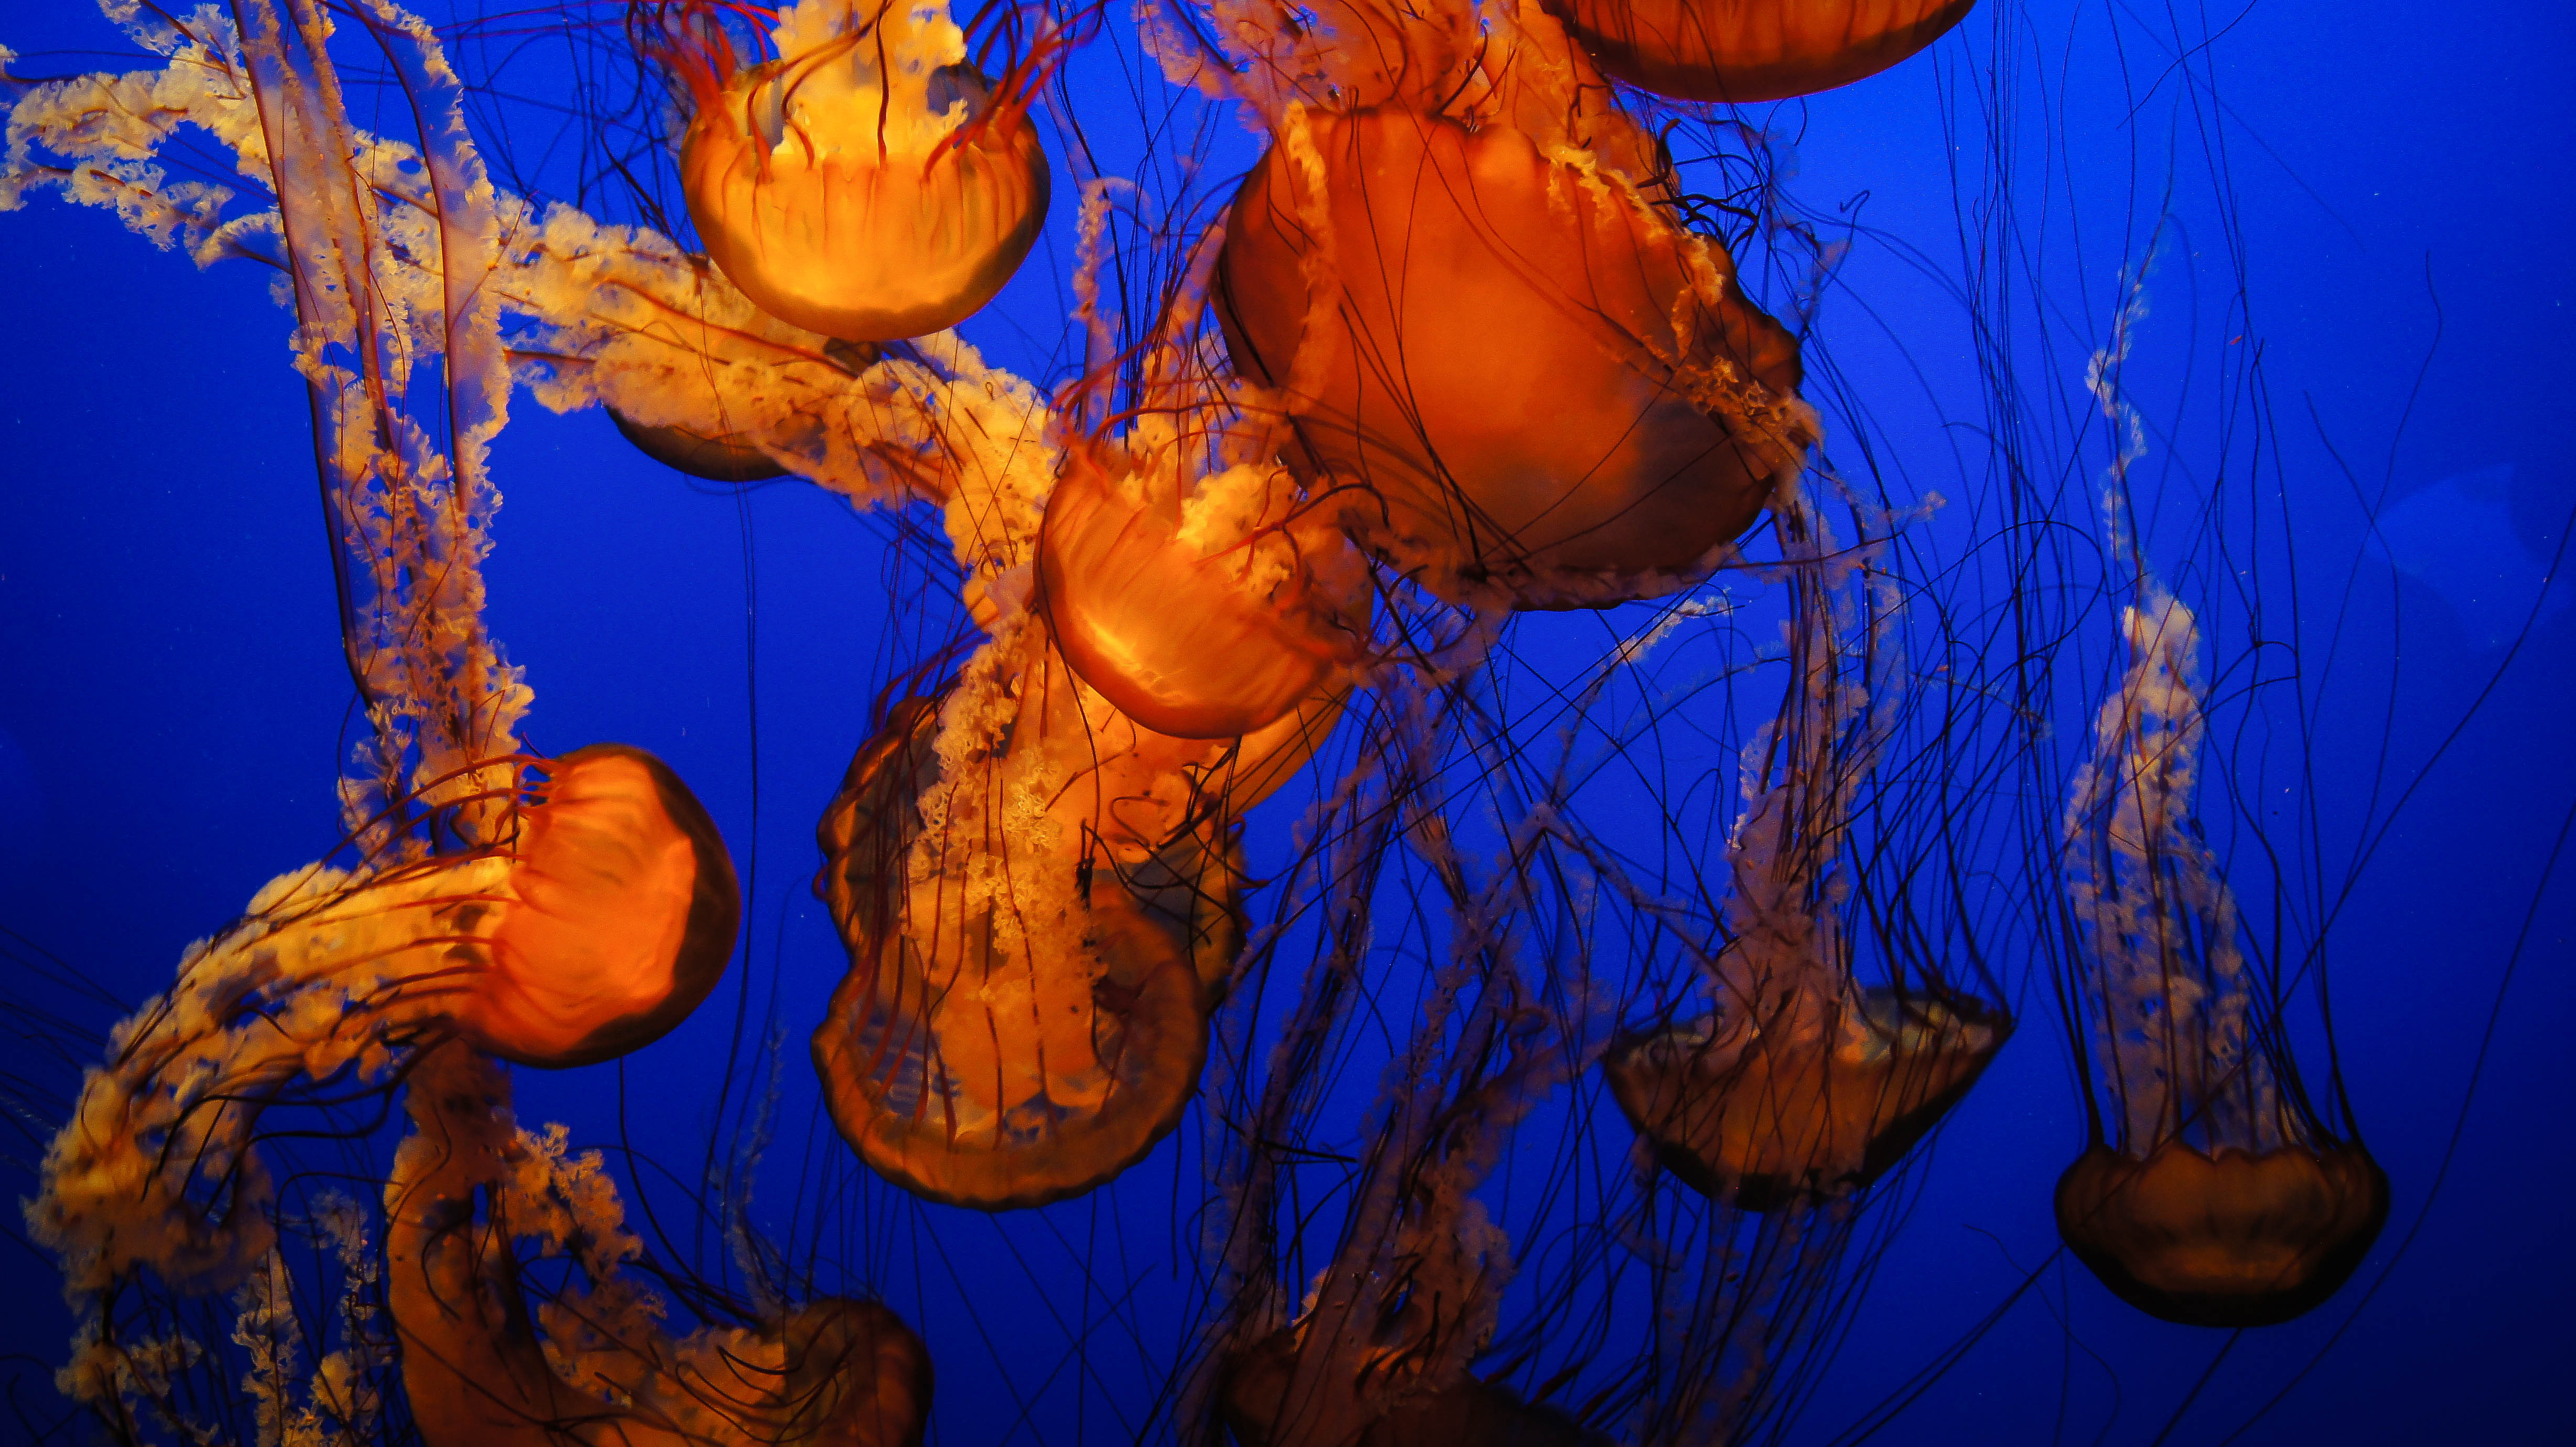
(1462, 355)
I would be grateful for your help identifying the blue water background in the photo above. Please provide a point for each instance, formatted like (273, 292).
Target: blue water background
(174, 709)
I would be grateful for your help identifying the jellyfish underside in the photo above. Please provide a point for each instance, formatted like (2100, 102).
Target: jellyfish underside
(1179, 642)
(1768, 1121)
(1024, 1047)
(836, 1371)
(1501, 385)
(1743, 51)
(865, 203)
(2230, 1238)
(720, 457)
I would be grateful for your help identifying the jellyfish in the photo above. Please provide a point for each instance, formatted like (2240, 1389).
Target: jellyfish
(1804, 1085)
(868, 184)
(2218, 1195)
(1517, 373)
(1038, 925)
(1743, 51)
(1189, 631)
(475, 1367)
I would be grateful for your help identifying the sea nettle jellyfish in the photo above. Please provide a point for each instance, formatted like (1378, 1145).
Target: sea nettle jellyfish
(1519, 375)
(1210, 616)
(868, 183)
(1039, 898)
(600, 916)
(1744, 51)
(1803, 1085)
(477, 1374)
(2216, 1196)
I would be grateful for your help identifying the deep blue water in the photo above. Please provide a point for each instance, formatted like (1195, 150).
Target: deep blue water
(173, 707)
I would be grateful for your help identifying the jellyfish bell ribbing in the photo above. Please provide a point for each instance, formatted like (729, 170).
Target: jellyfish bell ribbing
(1536, 382)
(1743, 51)
(867, 184)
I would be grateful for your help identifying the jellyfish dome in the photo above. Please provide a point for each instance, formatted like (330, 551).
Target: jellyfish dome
(1743, 51)
(1209, 617)
(2228, 1238)
(1766, 1117)
(1019, 1024)
(867, 184)
(1516, 372)
(622, 913)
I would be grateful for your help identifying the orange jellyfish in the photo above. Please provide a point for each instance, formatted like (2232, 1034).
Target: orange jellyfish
(867, 184)
(1803, 1086)
(1039, 899)
(599, 917)
(1742, 51)
(2217, 1196)
(474, 1369)
(1210, 617)
(1515, 370)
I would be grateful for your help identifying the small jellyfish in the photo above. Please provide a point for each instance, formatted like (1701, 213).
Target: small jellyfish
(1210, 617)
(867, 184)
(2218, 1197)
(1768, 1115)
(476, 1362)
(1039, 900)
(602, 914)
(1742, 51)
(1804, 1085)
(1516, 371)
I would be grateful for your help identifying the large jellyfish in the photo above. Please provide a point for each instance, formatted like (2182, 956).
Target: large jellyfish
(1516, 375)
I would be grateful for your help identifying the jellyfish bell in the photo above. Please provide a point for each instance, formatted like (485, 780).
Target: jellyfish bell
(1521, 376)
(1743, 51)
(856, 1376)
(2229, 1238)
(1019, 1023)
(720, 457)
(1191, 635)
(622, 915)
(1764, 1118)
(867, 184)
